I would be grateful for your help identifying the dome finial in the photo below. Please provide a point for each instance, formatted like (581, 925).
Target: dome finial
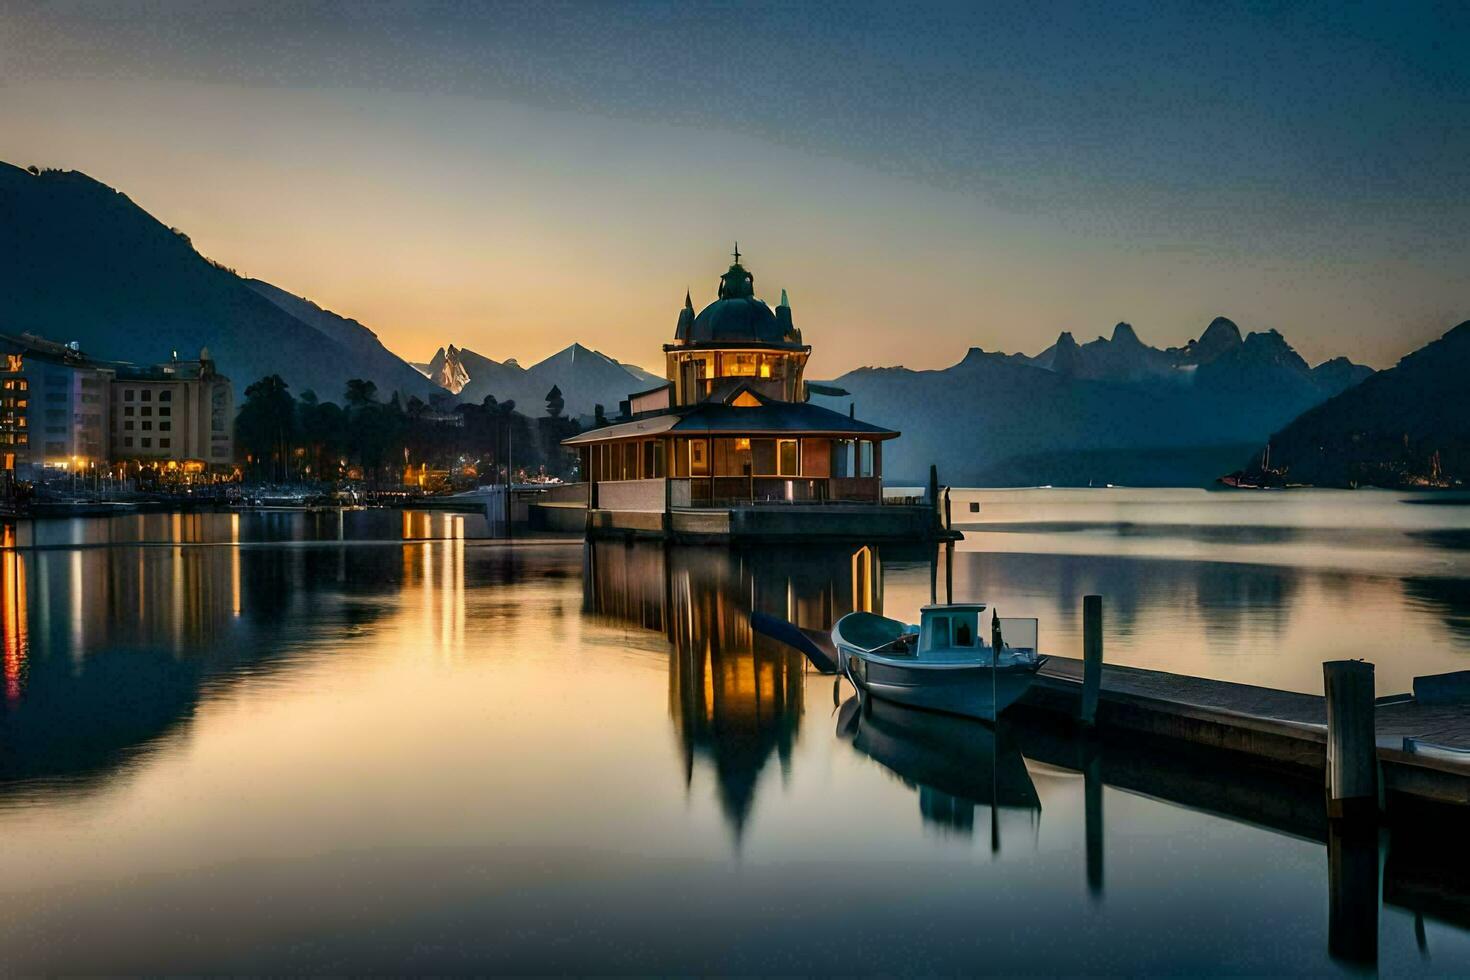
(737, 252)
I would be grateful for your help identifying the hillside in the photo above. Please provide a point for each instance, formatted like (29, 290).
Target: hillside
(80, 261)
(1110, 411)
(1408, 426)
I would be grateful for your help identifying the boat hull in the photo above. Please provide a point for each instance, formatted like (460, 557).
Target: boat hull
(971, 691)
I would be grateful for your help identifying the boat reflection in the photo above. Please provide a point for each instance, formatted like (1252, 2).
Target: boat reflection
(735, 697)
(956, 764)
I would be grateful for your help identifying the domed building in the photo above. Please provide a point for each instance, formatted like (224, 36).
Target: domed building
(731, 433)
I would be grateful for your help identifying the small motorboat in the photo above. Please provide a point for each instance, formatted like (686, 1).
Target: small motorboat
(942, 664)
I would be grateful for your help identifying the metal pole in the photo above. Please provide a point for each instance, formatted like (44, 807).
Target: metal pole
(934, 577)
(949, 572)
(509, 448)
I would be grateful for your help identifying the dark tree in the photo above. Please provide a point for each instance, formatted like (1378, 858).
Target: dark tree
(266, 426)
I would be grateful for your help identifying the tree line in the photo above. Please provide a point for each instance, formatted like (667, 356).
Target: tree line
(283, 438)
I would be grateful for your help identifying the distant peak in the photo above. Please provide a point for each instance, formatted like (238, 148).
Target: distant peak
(1219, 329)
(1065, 339)
(1266, 338)
(1123, 334)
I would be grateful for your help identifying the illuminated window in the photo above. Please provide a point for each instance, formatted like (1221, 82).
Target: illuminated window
(14, 362)
(738, 365)
(765, 369)
(742, 443)
(746, 400)
(786, 457)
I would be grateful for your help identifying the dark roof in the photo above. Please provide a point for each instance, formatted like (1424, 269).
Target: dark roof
(771, 418)
(737, 319)
(776, 417)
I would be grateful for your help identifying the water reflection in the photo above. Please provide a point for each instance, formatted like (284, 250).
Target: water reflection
(107, 651)
(735, 697)
(251, 526)
(390, 746)
(955, 764)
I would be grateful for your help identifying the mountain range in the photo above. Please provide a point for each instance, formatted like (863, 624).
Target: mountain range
(1408, 426)
(80, 261)
(586, 377)
(1113, 410)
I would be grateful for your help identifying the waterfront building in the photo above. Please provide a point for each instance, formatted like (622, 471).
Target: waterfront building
(53, 408)
(180, 412)
(731, 434)
(64, 412)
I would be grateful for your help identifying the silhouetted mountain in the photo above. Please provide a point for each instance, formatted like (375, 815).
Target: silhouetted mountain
(1122, 358)
(1220, 337)
(80, 261)
(1405, 427)
(446, 370)
(1109, 411)
(586, 377)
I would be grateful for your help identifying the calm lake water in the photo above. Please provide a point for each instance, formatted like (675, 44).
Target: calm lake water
(374, 742)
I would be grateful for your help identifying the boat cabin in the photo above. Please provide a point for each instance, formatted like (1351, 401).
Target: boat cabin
(954, 626)
(963, 628)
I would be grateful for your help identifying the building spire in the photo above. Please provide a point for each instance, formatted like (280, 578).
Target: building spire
(784, 301)
(737, 252)
(688, 300)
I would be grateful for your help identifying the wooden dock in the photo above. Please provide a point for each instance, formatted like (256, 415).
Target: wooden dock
(1278, 727)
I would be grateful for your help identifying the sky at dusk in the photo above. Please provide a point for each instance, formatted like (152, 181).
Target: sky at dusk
(921, 179)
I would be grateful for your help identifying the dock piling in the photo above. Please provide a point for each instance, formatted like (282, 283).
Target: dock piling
(1092, 657)
(1352, 752)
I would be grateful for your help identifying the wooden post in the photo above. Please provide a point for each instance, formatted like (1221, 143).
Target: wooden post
(934, 489)
(1092, 657)
(948, 512)
(1352, 753)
